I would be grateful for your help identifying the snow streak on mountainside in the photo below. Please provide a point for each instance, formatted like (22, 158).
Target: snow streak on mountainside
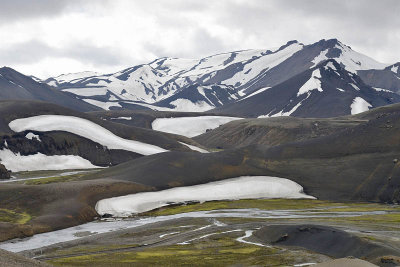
(210, 82)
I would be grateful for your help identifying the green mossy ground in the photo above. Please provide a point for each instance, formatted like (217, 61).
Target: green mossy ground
(219, 251)
(12, 216)
(54, 179)
(51, 176)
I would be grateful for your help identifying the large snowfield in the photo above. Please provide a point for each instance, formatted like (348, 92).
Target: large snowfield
(245, 187)
(190, 126)
(16, 163)
(84, 128)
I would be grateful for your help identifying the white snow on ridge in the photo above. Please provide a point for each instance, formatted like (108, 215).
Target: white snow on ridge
(314, 83)
(103, 105)
(359, 105)
(122, 118)
(330, 66)
(195, 148)
(394, 69)
(245, 187)
(351, 59)
(187, 105)
(70, 77)
(87, 91)
(381, 90)
(39, 162)
(251, 70)
(190, 126)
(84, 128)
(355, 86)
(255, 93)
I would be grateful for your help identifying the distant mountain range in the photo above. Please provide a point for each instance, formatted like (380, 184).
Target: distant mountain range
(326, 78)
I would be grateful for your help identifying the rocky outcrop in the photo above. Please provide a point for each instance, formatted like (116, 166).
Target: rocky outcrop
(4, 173)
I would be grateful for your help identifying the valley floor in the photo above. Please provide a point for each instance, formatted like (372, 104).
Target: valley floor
(219, 233)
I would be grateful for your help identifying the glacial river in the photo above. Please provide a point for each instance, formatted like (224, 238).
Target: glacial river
(103, 226)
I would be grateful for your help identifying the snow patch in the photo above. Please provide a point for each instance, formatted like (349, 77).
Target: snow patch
(16, 163)
(190, 126)
(255, 93)
(359, 105)
(394, 69)
(381, 90)
(181, 104)
(340, 89)
(330, 65)
(245, 187)
(122, 118)
(195, 148)
(30, 136)
(355, 86)
(103, 105)
(87, 91)
(314, 83)
(84, 128)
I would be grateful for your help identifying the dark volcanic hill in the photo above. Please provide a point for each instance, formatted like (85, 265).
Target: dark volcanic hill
(272, 131)
(327, 90)
(16, 86)
(281, 130)
(357, 163)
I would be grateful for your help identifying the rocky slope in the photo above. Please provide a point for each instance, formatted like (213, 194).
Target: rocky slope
(16, 86)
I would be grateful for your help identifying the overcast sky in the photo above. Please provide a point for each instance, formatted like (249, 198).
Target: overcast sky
(49, 37)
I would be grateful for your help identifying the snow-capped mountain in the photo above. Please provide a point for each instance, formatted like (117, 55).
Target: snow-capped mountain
(16, 86)
(210, 82)
(326, 90)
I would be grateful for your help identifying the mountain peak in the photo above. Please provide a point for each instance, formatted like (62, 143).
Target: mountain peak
(289, 43)
(329, 43)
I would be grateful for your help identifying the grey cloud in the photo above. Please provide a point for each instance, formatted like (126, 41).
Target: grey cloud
(34, 51)
(201, 43)
(19, 10)
(369, 26)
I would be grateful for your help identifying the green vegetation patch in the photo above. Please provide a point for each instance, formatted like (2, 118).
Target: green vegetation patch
(217, 251)
(11, 216)
(55, 179)
(95, 249)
